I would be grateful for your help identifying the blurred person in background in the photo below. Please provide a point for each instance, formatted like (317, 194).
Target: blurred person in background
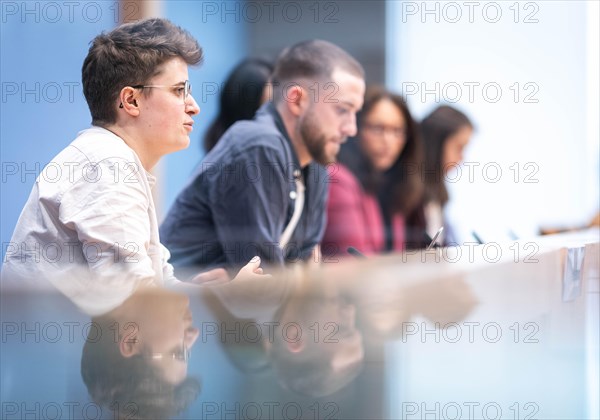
(245, 90)
(376, 182)
(446, 132)
(263, 189)
(303, 330)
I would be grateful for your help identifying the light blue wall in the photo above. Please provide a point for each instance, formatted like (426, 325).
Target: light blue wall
(42, 47)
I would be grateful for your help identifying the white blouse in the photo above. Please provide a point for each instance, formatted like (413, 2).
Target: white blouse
(89, 226)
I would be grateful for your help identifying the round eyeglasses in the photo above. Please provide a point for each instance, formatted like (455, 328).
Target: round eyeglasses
(181, 353)
(183, 89)
(380, 129)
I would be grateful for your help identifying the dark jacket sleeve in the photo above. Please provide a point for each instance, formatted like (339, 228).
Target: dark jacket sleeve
(249, 202)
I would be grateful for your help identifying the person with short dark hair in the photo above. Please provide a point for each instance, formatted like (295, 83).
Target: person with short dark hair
(90, 217)
(262, 190)
(134, 362)
(376, 184)
(247, 87)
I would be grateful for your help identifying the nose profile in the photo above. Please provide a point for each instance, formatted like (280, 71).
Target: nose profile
(191, 335)
(191, 106)
(350, 126)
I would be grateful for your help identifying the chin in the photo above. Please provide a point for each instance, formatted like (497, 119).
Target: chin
(184, 144)
(178, 146)
(384, 166)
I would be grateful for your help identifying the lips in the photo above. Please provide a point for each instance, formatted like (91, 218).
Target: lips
(189, 125)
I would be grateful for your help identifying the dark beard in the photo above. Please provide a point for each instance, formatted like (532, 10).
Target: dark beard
(314, 140)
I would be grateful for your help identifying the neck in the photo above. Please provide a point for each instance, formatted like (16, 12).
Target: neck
(129, 136)
(292, 126)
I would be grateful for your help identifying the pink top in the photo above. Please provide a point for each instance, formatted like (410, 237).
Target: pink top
(354, 218)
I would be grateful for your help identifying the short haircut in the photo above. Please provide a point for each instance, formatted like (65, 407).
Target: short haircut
(131, 55)
(131, 387)
(312, 60)
(309, 372)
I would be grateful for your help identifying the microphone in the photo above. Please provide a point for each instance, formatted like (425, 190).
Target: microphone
(513, 236)
(432, 243)
(355, 253)
(477, 238)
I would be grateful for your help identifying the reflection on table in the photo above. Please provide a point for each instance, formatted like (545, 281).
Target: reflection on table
(415, 336)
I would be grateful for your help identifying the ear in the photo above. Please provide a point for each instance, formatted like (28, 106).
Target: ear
(128, 101)
(129, 345)
(296, 99)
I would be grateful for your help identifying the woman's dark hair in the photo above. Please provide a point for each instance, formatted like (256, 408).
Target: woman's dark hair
(240, 97)
(436, 128)
(400, 188)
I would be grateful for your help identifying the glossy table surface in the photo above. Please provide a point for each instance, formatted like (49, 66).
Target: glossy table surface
(503, 331)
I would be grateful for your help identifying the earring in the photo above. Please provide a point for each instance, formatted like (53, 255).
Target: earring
(121, 106)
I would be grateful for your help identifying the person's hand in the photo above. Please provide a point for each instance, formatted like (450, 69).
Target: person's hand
(215, 276)
(251, 270)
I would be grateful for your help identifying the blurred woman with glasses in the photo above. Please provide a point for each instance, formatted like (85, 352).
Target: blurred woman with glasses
(376, 181)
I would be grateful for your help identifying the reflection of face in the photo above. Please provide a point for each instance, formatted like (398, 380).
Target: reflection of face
(165, 326)
(382, 136)
(331, 116)
(454, 146)
(329, 327)
(166, 122)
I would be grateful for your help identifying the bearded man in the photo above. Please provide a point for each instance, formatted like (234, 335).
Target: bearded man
(263, 189)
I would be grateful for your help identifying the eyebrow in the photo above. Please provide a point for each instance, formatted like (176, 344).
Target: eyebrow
(350, 104)
(347, 103)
